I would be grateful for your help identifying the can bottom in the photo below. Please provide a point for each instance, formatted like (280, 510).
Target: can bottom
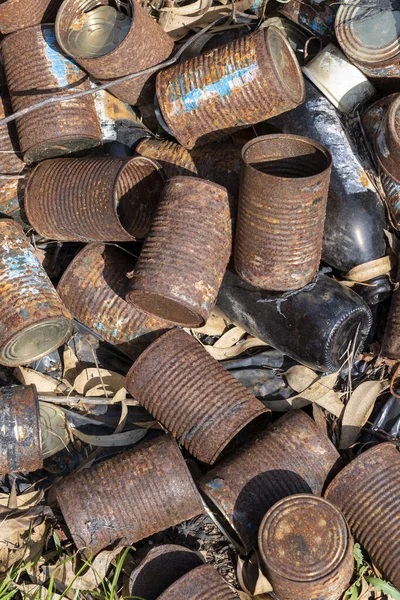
(166, 309)
(59, 147)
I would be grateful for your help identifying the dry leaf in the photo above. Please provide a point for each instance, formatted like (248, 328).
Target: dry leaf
(44, 383)
(300, 378)
(224, 353)
(94, 378)
(250, 576)
(54, 429)
(112, 440)
(215, 325)
(70, 364)
(23, 501)
(230, 338)
(32, 591)
(22, 538)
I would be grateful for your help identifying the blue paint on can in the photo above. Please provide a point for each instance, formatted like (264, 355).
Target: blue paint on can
(65, 70)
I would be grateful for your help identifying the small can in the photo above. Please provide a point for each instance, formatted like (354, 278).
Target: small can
(15, 14)
(12, 167)
(314, 16)
(202, 583)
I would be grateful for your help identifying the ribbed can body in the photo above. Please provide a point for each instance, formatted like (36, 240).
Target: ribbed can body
(367, 491)
(184, 257)
(387, 143)
(174, 158)
(93, 199)
(15, 14)
(11, 165)
(293, 456)
(36, 70)
(209, 406)
(202, 583)
(282, 204)
(21, 444)
(129, 497)
(391, 339)
(244, 82)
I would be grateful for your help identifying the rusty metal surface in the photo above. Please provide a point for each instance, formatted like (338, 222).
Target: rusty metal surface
(145, 45)
(293, 456)
(282, 203)
(210, 408)
(94, 198)
(36, 70)
(21, 443)
(14, 14)
(242, 83)
(129, 497)
(118, 121)
(391, 339)
(184, 257)
(318, 18)
(387, 142)
(33, 320)
(202, 583)
(174, 158)
(367, 491)
(392, 193)
(373, 116)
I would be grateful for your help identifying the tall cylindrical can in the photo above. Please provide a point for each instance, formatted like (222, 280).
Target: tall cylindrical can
(202, 583)
(306, 549)
(174, 158)
(244, 82)
(129, 497)
(15, 14)
(293, 456)
(282, 203)
(36, 70)
(184, 257)
(367, 491)
(387, 141)
(12, 167)
(33, 320)
(93, 199)
(210, 409)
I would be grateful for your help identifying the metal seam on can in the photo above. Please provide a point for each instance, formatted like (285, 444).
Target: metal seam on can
(14, 14)
(202, 583)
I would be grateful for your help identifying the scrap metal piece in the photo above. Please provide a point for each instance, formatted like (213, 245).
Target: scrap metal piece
(316, 17)
(387, 141)
(12, 167)
(202, 583)
(15, 14)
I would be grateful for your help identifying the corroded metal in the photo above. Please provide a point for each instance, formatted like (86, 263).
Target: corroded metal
(372, 118)
(33, 320)
(202, 583)
(21, 444)
(293, 456)
(387, 142)
(306, 548)
(282, 203)
(15, 14)
(94, 198)
(392, 193)
(367, 491)
(244, 82)
(36, 70)
(174, 158)
(316, 17)
(184, 257)
(210, 408)
(129, 497)
(391, 339)
(118, 121)
(12, 167)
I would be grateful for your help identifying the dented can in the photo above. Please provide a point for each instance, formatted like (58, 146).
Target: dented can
(391, 339)
(306, 548)
(316, 17)
(202, 583)
(36, 70)
(282, 204)
(12, 167)
(93, 199)
(210, 408)
(244, 82)
(15, 14)
(154, 490)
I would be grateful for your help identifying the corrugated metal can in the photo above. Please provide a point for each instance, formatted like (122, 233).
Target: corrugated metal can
(153, 488)
(282, 203)
(210, 408)
(293, 456)
(372, 118)
(174, 158)
(21, 443)
(244, 82)
(306, 549)
(12, 167)
(387, 141)
(15, 14)
(316, 17)
(33, 320)
(367, 491)
(93, 199)
(36, 70)
(184, 257)
(202, 583)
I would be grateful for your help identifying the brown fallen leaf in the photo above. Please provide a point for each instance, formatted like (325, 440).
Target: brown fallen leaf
(224, 353)
(99, 380)
(44, 383)
(300, 378)
(230, 338)
(216, 325)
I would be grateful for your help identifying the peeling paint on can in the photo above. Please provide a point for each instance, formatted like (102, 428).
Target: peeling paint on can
(316, 17)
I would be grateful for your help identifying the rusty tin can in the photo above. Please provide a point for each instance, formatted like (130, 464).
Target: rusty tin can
(33, 320)
(175, 159)
(21, 443)
(282, 203)
(244, 82)
(202, 583)
(210, 408)
(392, 193)
(374, 115)
(387, 141)
(316, 17)
(367, 491)
(15, 14)
(93, 199)
(391, 339)
(306, 549)
(12, 167)
(109, 44)
(183, 260)
(293, 456)
(129, 497)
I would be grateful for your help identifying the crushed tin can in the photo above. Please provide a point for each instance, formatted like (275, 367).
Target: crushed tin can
(36, 70)
(154, 489)
(12, 167)
(367, 491)
(14, 14)
(292, 456)
(244, 82)
(211, 410)
(90, 199)
(314, 16)
(282, 203)
(33, 320)
(306, 548)
(185, 254)
(202, 583)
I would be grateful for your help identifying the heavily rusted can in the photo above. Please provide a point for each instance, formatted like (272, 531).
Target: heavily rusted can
(118, 121)
(210, 408)
(12, 167)
(306, 549)
(374, 115)
(367, 491)
(21, 443)
(244, 82)
(316, 17)
(391, 339)
(387, 142)
(202, 583)
(15, 14)
(184, 257)
(282, 203)
(36, 70)
(392, 193)
(109, 44)
(93, 199)
(293, 456)
(33, 320)
(153, 488)
(175, 159)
